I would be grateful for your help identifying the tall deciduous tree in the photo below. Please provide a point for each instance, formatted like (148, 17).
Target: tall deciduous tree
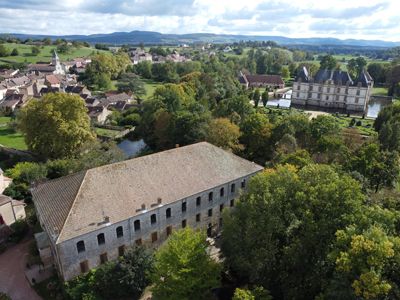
(223, 133)
(328, 62)
(55, 126)
(280, 233)
(183, 268)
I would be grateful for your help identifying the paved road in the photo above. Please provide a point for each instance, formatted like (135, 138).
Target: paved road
(12, 276)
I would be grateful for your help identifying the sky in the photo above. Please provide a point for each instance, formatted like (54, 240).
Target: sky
(356, 19)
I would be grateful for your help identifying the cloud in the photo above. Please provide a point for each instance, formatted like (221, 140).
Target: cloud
(375, 19)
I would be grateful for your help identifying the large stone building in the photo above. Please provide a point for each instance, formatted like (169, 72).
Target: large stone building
(332, 90)
(92, 216)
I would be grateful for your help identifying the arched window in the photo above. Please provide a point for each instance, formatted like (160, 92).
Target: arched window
(153, 219)
(136, 225)
(80, 246)
(101, 239)
(120, 231)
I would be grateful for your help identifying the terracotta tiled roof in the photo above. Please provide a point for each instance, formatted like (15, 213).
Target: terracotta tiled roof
(77, 204)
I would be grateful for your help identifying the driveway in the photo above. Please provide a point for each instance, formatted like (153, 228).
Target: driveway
(12, 276)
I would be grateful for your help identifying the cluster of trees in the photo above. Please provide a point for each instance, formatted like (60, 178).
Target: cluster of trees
(180, 269)
(5, 52)
(104, 68)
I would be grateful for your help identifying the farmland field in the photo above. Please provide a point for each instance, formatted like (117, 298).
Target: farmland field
(25, 55)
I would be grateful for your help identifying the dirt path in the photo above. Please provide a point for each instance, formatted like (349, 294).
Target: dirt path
(12, 276)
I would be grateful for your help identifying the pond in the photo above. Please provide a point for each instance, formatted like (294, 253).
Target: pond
(375, 106)
(132, 148)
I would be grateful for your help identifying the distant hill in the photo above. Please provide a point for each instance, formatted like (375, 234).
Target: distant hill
(150, 37)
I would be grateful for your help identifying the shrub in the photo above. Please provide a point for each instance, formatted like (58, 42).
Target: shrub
(19, 230)
(4, 296)
(358, 123)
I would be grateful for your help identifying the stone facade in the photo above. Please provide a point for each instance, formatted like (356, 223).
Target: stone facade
(69, 260)
(335, 91)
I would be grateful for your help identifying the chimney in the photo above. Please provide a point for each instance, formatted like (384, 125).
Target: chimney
(143, 206)
(106, 219)
(159, 200)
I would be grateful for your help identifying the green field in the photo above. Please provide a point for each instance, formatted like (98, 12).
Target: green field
(45, 54)
(106, 132)
(381, 91)
(150, 86)
(9, 137)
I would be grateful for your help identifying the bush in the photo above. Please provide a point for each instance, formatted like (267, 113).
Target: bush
(352, 122)
(19, 230)
(14, 52)
(4, 296)
(358, 123)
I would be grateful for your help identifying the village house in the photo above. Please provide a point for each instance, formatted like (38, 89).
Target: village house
(92, 216)
(12, 101)
(98, 114)
(264, 81)
(4, 181)
(8, 73)
(11, 210)
(332, 89)
(54, 67)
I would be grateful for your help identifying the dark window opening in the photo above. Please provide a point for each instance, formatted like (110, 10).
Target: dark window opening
(221, 207)
(153, 219)
(84, 266)
(198, 201)
(120, 231)
(101, 239)
(183, 206)
(103, 258)
(183, 223)
(169, 230)
(154, 237)
(243, 183)
(121, 250)
(198, 218)
(80, 246)
(136, 225)
(232, 202)
(210, 196)
(210, 212)
(221, 192)
(168, 213)
(233, 188)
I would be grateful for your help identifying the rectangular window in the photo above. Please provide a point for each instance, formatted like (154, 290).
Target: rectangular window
(298, 87)
(183, 223)
(328, 90)
(198, 201)
(101, 239)
(232, 202)
(356, 100)
(103, 258)
(121, 250)
(243, 183)
(84, 266)
(233, 188)
(136, 225)
(210, 212)
(120, 231)
(338, 90)
(169, 230)
(80, 246)
(210, 196)
(183, 206)
(198, 218)
(154, 237)
(221, 192)
(138, 242)
(221, 207)
(153, 219)
(168, 213)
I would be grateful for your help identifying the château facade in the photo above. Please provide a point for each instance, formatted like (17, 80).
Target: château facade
(332, 89)
(92, 216)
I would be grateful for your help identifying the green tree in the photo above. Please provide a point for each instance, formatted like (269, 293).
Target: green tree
(323, 125)
(238, 105)
(223, 133)
(144, 69)
(256, 134)
(285, 73)
(264, 98)
(35, 50)
(183, 268)
(3, 51)
(328, 62)
(14, 52)
(130, 82)
(256, 97)
(55, 126)
(279, 234)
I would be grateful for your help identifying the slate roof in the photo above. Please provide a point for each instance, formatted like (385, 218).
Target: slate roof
(266, 79)
(77, 204)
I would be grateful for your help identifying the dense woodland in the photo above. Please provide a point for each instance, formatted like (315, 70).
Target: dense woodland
(321, 222)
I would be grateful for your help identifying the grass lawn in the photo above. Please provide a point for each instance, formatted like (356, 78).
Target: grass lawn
(9, 137)
(382, 91)
(366, 124)
(106, 132)
(150, 86)
(45, 53)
